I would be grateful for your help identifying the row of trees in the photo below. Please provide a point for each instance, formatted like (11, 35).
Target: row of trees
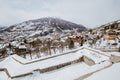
(47, 47)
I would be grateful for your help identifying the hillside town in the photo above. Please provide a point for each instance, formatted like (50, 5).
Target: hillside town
(105, 38)
(77, 54)
(59, 39)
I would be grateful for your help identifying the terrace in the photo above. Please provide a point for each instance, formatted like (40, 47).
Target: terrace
(74, 65)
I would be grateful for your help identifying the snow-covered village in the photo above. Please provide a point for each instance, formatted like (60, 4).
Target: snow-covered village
(53, 48)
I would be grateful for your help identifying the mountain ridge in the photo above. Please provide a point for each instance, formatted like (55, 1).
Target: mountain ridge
(43, 27)
(45, 22)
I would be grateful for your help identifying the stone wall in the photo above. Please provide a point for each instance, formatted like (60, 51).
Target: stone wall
(60, 65)
(6, 71)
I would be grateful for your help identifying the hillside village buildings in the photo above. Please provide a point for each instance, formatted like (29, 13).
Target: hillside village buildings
(42, 58)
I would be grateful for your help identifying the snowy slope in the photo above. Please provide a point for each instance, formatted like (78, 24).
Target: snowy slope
(46, 24)
(43, 27)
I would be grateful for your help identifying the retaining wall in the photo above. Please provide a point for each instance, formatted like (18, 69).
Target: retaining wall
(60, 65)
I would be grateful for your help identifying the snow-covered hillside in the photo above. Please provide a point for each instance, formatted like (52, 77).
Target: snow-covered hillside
(47, 26)
(2, 28)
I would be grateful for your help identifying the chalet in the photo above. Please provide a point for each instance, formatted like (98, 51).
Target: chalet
(18, 48)
(118, 32)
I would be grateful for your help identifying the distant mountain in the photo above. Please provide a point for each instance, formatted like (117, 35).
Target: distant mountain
(46, 23)
(42, 27)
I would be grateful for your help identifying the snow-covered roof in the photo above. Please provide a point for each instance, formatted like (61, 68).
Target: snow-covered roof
(14, 43)
(33, 34)
(22, 47)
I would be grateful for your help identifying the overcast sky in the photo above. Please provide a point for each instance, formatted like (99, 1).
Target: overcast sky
(90, 13)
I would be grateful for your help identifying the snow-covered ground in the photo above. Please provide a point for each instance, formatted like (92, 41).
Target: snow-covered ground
(15, 67)
(70, 72)
(3, 76)
(111, 73)
(67, 73)
(24, 61)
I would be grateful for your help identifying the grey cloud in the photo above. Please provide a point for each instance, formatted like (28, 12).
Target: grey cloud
(90, 13)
